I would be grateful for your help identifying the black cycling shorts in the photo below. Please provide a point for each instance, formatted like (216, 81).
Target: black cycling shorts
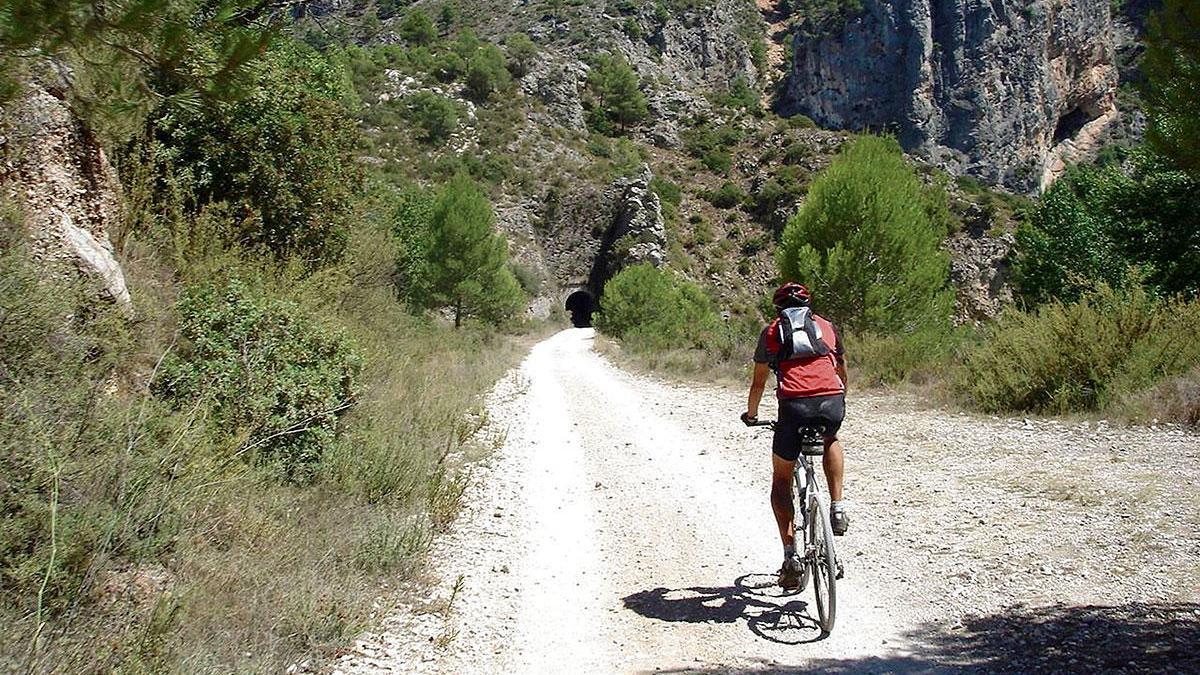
(797, 413)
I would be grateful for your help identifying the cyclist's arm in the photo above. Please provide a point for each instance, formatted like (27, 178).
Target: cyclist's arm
(757, 385)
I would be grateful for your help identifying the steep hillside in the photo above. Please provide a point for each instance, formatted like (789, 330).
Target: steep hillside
(724, 173)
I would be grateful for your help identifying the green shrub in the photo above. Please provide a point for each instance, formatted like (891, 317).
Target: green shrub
(522, 52)
(417, 28)
(486, 73)
(436, 116)
(653, 309)
(670, 196)
(728, 196)
(782, 190)
(865, 244)
(717, 160)
(283, 156)
(1083, 355)
(922, 356)
(276, 379)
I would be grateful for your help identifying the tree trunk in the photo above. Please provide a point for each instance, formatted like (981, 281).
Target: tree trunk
(458, 313)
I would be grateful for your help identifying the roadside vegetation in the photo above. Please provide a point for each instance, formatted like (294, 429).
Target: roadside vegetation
(228, 477)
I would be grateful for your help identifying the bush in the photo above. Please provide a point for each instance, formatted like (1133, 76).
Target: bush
(417, 28)
(652, 309)
(276, 380)
(1082, 355)
(728, 196)
(486, 73)
(436, 116)
(522, 52)
(283, 156)
(922, 356)
(865, 244)
(1175, 399)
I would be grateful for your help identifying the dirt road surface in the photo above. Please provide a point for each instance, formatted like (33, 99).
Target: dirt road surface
(623, 527)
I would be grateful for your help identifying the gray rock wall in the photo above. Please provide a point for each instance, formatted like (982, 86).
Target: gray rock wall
(1004, 90)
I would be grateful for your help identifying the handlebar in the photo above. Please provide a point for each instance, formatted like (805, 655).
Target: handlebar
(751, 422)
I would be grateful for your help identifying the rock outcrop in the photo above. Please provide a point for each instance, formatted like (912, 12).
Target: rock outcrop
(55, 171)
(1004, 90)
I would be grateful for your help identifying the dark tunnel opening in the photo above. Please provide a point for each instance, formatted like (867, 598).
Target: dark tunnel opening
(581, 305)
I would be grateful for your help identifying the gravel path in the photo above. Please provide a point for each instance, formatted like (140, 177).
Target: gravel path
(623, 526)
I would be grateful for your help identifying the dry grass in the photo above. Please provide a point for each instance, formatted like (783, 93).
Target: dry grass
(169, 554)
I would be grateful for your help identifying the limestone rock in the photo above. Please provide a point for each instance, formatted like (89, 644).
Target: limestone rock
(979, 272)
(54, 168)
(1005, 90)
(636, 233)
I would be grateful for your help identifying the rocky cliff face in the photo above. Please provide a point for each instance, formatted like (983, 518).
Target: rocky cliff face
(1004, 90)
(55, 171)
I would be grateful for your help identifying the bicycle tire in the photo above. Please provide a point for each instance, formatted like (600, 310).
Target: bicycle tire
(824, 564)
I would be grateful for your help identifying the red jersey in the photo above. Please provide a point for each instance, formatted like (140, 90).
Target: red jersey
(805, 376)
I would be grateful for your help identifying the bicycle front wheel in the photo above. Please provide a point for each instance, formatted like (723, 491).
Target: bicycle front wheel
(823, 562)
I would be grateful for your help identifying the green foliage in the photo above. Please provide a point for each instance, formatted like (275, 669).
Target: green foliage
(728, 196)
(654, 309)
(1083, 355)
(522, 52)
(468, 260)
(436, 116)
(711, 145)
(1115, 226)
(417, 28)
(274, 377)
(281, 157)
(619, 100)
(927, 354)
(1171, 65)
(486, 73)
(129, 53)
(865, 244)
(669, 196)
(782, 190)
(740, 96)
(823, 17)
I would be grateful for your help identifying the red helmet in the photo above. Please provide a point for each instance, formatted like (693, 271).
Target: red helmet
(791, 294)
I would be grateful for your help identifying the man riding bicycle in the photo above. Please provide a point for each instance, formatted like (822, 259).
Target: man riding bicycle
(807, 356)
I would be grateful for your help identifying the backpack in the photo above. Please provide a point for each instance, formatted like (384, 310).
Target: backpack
(799, 336)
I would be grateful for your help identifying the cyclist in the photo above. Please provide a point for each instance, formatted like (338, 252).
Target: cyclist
(811, 388)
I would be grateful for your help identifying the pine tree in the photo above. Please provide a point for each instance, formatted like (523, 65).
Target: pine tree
(1172, 68)
(615, 85)
(468, 261)
(867, 246)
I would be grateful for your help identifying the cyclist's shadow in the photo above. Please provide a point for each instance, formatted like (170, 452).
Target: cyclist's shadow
(770, 612)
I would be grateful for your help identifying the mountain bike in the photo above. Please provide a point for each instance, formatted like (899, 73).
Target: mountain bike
(811, 522)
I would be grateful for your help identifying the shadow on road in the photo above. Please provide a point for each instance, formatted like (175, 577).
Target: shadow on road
(1132, 638)
(769, 612)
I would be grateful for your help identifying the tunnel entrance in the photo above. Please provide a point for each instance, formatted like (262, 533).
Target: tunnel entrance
(581, 305)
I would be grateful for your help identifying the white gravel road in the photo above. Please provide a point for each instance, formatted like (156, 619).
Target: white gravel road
(623, 526)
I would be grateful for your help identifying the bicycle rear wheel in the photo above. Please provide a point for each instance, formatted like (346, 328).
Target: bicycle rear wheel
(823, 562)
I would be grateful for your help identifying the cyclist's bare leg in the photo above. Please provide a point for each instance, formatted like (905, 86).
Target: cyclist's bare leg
(832, 463)
(781, 498)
